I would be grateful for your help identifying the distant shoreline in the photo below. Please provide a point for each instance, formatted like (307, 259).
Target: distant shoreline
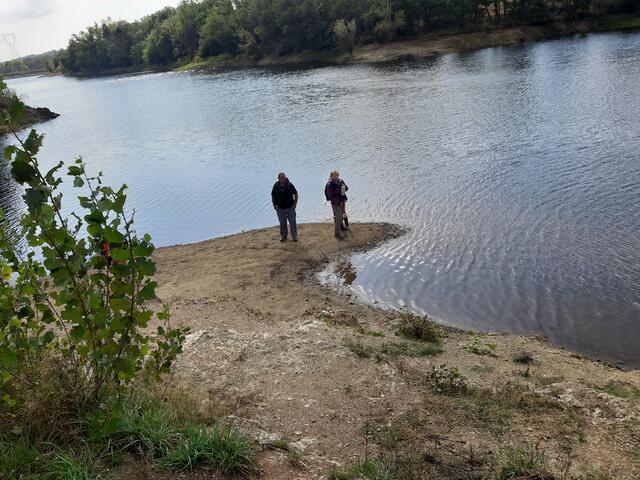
(418, 48)
(33, 115)
(423, 47)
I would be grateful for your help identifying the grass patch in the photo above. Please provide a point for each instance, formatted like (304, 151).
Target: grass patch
(522, 462)
(360, 349)
(414, 327)
(367, 331)
(387, 435)
(410, 349)
(142, 425)
(80, 464)
(482, 369)
(18, 459)
(198, 64)
(139, 424)
(620, 23)
(215, 447)
(480, 347)
(393, 349)
(27, 460)
(493, 409)
(620, 389)
(294, 457)
(279, 445)
(597, 475)
(367, 470)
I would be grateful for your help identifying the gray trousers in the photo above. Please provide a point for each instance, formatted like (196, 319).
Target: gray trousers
(285, 214)
(338, 211)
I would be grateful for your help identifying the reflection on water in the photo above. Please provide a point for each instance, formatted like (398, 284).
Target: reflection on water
(10, 192)
(515, 170)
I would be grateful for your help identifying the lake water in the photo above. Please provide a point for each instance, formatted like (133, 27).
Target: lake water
(517, 171)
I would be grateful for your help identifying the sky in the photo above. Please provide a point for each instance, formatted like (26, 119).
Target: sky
(42, 25)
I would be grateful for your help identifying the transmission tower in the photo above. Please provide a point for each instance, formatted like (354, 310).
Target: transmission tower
(10, 40)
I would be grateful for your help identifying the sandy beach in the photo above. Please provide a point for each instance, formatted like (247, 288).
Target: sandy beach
(322, 381)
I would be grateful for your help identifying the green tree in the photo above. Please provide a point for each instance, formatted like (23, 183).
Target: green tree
(62, 298)
(346, 34)
(158, 47)
(218, 34)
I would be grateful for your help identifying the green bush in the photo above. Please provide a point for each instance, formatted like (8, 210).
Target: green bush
(447, 380)
(477, 346)
(67, 308)
(417, 328)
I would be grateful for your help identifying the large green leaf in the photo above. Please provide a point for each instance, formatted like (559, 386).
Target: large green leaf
(22, 172)
(95, 217)
(33, 142)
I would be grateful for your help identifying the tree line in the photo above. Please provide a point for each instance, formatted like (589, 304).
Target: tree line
(203, 28)
(42, 62)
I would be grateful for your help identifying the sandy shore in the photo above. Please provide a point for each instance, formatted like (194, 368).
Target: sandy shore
(287, 359)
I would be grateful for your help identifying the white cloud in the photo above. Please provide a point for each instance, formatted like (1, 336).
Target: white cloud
(19, 9)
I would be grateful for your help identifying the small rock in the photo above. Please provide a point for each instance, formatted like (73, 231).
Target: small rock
(304, 444)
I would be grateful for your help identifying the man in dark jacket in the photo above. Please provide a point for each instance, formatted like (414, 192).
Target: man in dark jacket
(334, 191)
(284, 198)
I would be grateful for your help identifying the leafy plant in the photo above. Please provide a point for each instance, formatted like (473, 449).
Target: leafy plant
(447, 380)
(477, 346)
(417, 328)
(75, 290)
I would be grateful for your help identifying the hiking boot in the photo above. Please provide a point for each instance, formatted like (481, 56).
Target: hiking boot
(294, 239)
(283, 239)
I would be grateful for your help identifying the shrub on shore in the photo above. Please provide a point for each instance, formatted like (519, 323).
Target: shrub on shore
(75, 340)
(414, 327)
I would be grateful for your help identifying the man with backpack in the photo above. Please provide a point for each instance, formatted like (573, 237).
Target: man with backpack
(335, 192)
(284, 198)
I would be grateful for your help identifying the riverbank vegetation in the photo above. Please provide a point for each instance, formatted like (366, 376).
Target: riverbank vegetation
(31, 64)
(81, 347)
(200, 29)
(28, 115)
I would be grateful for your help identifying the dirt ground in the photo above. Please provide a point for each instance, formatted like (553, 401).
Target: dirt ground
(311, 371)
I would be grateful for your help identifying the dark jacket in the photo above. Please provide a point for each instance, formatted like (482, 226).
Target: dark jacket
(332, 192)
(283, 197)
